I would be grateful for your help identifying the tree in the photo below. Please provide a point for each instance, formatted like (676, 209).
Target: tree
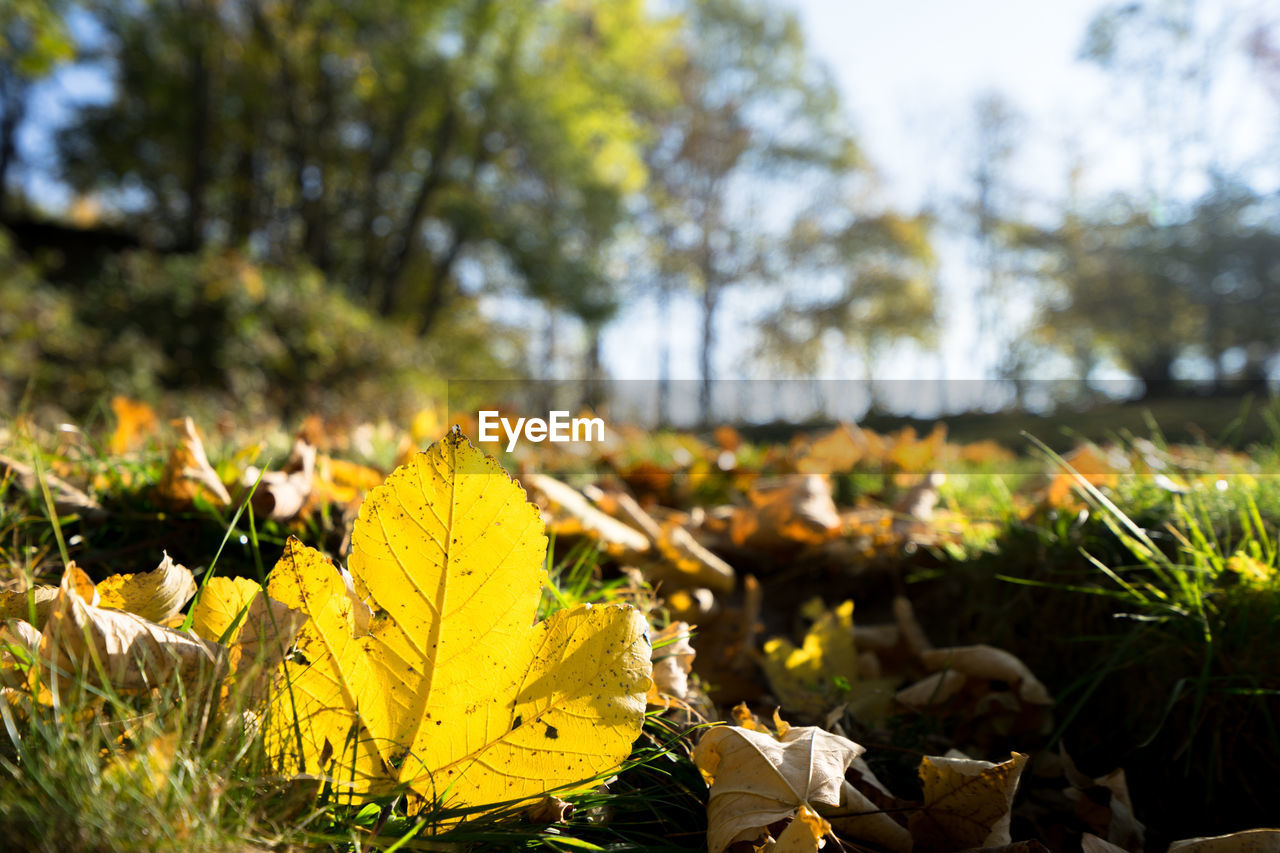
(392, 145)
(1149, 292)
(758, 124)
(881, 268)
(34, 41)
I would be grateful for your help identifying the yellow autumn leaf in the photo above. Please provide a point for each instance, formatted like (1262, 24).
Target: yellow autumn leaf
(256, 630)
(966, 803)
(823, 671)
(157, 595)
(452, 688)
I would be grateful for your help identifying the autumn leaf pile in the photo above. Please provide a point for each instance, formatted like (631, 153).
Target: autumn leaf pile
(738, 580)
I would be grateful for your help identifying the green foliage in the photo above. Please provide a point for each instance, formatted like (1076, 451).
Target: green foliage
(1147, 291)
(215, 327)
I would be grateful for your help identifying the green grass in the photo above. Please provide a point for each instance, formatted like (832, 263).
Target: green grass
(175, 770)
(1153, 615)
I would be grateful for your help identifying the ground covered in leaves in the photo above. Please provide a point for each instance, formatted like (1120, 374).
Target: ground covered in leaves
(847, 640)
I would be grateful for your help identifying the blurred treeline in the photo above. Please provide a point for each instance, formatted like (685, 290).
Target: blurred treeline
(304, 205)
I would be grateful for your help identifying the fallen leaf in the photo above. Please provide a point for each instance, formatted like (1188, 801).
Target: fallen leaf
(1103, 804)
(157, 595)
(188, 474)
(990, 663)
(130, 652)
(67, 499)
(1248, 841)
(966, 803)
(672, 662)
(836, 452)
(1090, 843)
(256, 630)
(135, 421)
(18, 605)
(548, 810)
(606, 528)
(799, 511)
(859, 818)
(806, 833)
(282, 494)
(695, 565)
(806, 679)
(758, 779)
(454, 690)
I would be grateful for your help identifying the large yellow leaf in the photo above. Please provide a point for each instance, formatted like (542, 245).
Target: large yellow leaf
(452, 688)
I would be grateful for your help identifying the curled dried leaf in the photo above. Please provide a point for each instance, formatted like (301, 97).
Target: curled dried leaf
(157, 595)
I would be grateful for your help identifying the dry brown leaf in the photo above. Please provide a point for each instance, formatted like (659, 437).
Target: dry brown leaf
(757, 779)
(966, 803)
(548, 810)
(1248, 841)
(859, 818)
(17, 605)
(837, 451)
(129, 651)
(672, 662)
(67, 499)
(799, 511)
(932, 689)
(157, 595)
(1103, 804)
(912, 632)
(695, 565)
(282, 494)
(988, 662)
(605, 528)
(187, 472)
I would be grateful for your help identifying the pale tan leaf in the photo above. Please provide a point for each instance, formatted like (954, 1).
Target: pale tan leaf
(604, 527)
(1090, 843)
(860, 819)
(673, 656)
(128, 651)
(990, 663)
(757, 779)
(282, 494)
(1248, 841)
(17, 605)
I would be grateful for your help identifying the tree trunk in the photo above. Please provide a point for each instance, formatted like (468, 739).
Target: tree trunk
(431, 183)
(14, 105)
(710, 301)
(198, 139)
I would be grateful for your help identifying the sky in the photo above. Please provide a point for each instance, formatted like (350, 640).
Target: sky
(909, 73)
